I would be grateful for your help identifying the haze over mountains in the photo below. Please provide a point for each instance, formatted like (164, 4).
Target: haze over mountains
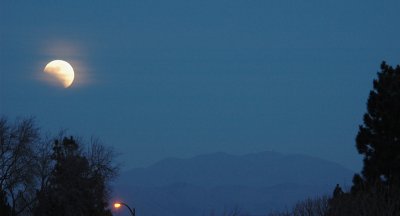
(216, 183)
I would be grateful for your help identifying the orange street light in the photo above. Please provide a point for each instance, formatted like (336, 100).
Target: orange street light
(119, 204)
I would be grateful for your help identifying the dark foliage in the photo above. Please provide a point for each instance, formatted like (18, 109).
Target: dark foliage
(379, 138)
(74, 188)
(18, 141)
(63, 180)
(377, 190)
(377, 200)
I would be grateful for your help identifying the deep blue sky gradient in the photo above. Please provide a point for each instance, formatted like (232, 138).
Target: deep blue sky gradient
(157, 79)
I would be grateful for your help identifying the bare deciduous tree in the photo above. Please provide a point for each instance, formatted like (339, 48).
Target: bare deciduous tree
(17, 161)
(309, 207)
(27, 163)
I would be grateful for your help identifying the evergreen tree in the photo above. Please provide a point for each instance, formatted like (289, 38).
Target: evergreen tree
(74, 188)
(378, 138)
(376, 191)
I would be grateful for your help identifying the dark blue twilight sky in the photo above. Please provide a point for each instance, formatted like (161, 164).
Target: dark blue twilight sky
(159, 78)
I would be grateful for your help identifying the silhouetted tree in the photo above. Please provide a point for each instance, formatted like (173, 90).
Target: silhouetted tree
(308, 207)
(17, 163)
(78, 184)
(378, 138)
(337, 192)
(60, 179)
(376, 191)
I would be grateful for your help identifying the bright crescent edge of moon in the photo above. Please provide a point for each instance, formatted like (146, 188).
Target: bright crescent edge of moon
(62, 71)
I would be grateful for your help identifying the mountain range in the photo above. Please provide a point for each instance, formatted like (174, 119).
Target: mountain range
(214, 184)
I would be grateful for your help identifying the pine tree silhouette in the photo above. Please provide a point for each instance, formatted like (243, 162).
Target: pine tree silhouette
(378, 138)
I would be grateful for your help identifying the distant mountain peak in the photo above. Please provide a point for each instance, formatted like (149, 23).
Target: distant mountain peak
(255, 169)
(254, 182)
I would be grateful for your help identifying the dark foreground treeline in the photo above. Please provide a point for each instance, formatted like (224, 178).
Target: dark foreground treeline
(379, 201)
(51, 176)
(376, 191)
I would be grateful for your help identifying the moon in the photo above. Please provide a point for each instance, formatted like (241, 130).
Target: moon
(61, 71)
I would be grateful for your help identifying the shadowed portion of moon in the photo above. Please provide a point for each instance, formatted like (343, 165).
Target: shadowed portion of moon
(61, 71)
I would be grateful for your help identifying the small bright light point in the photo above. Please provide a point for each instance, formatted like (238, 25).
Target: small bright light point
(117, 205)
